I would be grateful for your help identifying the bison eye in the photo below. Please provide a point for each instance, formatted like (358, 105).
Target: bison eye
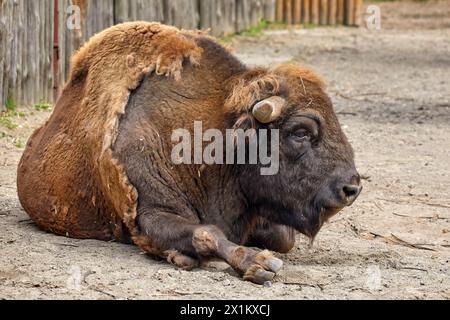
(300, 136)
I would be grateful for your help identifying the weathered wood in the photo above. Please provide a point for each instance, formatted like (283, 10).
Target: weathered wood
(280, 11)
(27, 27)
(256, 12)
(323, 12)
(242, 15)
(357, 12)
(218, 15)
(340, 11)
(332, 12)
(349, 12)
(306, 17)
(288, 11)
(181, 13)
(7, 21)
(3, 35)
(315, 10)
(297, 11)
(269, 10)
(2, 99)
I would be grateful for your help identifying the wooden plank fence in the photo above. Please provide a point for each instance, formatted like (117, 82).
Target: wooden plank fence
(31, 68)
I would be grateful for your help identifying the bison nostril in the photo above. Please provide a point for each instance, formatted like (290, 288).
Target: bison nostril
(351, 192)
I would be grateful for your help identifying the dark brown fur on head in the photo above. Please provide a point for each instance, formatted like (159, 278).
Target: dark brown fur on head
(300, 195)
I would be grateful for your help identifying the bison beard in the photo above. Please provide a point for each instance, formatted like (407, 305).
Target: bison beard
(101, 167)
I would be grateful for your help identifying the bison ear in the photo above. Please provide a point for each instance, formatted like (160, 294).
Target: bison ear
(269, 110)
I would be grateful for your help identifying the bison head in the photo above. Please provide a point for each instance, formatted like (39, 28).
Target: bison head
(317, 176)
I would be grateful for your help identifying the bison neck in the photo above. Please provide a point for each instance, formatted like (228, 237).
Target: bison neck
(206, 194)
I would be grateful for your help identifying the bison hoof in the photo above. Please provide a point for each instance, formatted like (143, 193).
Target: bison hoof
(262, 268)
(182, 261)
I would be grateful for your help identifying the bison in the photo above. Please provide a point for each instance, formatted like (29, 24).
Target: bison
(101, 166)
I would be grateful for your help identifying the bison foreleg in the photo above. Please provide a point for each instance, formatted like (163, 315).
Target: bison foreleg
(185, 243)
(253, 265)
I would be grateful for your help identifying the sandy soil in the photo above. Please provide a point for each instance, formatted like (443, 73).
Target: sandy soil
(392, 93)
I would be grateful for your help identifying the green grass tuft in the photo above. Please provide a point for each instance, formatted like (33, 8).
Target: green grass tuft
(43, 106)
(7, 117)
(10, 105)
(255, 31)
(8, 122)
(19, 144)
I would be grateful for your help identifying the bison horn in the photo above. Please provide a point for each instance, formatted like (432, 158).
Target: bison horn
(268, 110)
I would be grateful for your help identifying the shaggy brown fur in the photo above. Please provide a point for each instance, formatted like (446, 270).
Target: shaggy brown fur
(68, 181)
(101, 166)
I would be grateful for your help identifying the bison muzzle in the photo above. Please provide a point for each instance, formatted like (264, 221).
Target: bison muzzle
(101, 166)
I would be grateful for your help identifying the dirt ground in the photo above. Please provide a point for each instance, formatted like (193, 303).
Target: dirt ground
(391, 90)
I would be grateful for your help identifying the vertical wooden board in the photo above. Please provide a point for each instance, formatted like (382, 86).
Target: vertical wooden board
(8, 8)
(16, 48)
(150, 10)
(167, 12)
(36, 56)
(229, 16)
(306, 18)
(142, 9)
(3, 43)
(280, 11)
(340, 11)
(94, 19)
(76, 37)
(45, 48)
(215, 18)
(46, 26)
(242, 15)
(256, 12)
(61, 67)
(323, 12)
(206, 10)
(28, 66)
(270, 10)
(91, 22)
(63, 42)
(315, 8)
(332, 9)
(37, 28)
(219, 15)
(181, 13)
(357, 12)
(42, 82)
(31, 47)
(349, 12)
(2, 46)
(297, 11)
(121, 11)
(50, 52)
(158, 10)
(288, 11)
(13, 55)
(108, 14)
(132, 11)
(184, 13)
(24, 55)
